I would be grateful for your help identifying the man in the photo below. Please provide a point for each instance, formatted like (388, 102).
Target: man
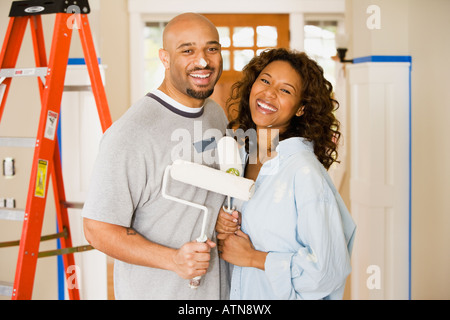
(125, 215)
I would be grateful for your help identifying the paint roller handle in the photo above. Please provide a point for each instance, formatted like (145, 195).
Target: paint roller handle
(194, 283)
(228, 209)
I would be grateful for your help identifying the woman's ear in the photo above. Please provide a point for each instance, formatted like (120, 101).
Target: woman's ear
(300, 111)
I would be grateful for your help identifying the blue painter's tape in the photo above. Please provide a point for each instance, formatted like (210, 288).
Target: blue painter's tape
(80, 61)
(383, 59)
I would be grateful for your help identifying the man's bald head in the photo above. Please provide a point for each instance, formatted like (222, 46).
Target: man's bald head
(183, 22)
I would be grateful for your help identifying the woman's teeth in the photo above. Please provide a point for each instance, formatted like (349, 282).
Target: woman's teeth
(267, 107)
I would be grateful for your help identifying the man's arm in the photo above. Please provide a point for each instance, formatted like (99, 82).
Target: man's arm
(125, 244)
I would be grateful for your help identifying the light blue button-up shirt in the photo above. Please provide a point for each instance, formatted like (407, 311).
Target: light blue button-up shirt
(299, 218)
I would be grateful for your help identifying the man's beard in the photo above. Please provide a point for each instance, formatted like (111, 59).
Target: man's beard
(200, 95)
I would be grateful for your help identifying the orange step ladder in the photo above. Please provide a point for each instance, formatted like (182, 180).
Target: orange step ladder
(46, 165)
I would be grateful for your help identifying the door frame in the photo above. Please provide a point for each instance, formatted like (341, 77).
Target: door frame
(143, 11)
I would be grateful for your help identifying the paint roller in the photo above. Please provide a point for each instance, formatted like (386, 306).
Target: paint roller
(229, 162)
(210, 179)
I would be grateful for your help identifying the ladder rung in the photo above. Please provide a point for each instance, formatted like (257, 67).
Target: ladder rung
(72, 205)
(58, 252)
(17, 142)
(70, 88)
(11, 214)
(23, 72)
(62, 234)
(6, 289)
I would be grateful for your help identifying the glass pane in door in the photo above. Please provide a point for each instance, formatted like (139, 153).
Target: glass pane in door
(241, 58)
(243, 36)
(224, 35)
(267, 36)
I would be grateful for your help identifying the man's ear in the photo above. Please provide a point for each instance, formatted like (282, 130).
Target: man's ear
(165, 58)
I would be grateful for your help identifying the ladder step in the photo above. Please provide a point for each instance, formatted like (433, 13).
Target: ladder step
(6, 289)
(38, 7)
(18, 214)
(23, 72)
(17, 142)
(62, 234)
(11, 214)
(72, 205)
(58, 252)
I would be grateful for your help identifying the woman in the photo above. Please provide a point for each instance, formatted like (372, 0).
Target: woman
(296, 234)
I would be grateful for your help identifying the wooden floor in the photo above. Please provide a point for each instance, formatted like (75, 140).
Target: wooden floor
(110, 280)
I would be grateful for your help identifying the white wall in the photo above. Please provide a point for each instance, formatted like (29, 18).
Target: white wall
(419, 28)
(429, 45)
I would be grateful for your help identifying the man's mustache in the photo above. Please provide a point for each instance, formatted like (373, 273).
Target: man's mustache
(201, 69)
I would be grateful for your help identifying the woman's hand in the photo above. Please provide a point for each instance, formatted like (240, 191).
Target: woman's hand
(237, 249)
(228, 223)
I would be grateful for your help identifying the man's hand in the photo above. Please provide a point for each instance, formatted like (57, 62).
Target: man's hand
(192, 259)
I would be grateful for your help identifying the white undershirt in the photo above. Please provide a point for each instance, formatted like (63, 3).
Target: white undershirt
(175, 103)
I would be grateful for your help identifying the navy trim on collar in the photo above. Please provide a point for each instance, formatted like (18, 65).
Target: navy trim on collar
(175, 110)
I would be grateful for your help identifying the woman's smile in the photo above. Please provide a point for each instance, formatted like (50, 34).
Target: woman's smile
(265, 107)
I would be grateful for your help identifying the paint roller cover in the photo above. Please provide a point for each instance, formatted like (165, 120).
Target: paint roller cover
(212, 179)
(228, 155)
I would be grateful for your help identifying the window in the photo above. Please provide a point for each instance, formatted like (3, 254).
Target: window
(320, 45)
(154, 69)
(243, 36)
(241, 44)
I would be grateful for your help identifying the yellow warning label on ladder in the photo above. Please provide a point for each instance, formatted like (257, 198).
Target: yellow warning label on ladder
(41, 178)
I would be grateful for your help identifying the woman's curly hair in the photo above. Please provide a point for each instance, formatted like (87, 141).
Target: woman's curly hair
(318, 122)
